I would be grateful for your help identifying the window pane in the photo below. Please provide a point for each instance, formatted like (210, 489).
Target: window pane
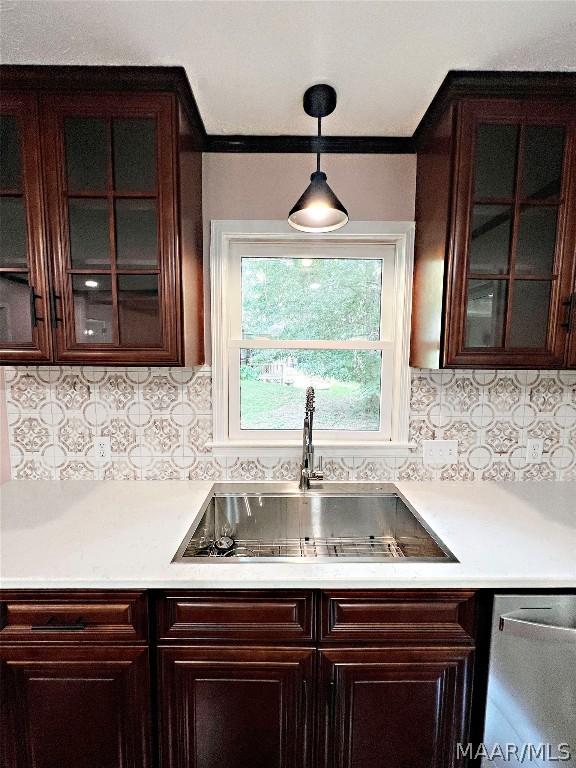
(299, 298)
(12, 232)
(139, 310)
(273, 384)
(89, 233)
(530, 308)
(134, 155)
(136, 234)
(536, 240)
(9, 153)
(495, 160)
(87, 153)
(490, 238)
(542, 166)
(15, 320)
(485, 313)
(93, 309)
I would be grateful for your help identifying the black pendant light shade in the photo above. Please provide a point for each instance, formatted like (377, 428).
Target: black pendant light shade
(318, 209)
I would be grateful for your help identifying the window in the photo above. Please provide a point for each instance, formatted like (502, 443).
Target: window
(290, 310)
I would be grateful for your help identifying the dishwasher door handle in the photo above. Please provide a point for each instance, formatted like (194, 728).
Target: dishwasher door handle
(532, 629)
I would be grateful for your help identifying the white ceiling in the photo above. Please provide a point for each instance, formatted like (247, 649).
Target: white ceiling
(249, 62)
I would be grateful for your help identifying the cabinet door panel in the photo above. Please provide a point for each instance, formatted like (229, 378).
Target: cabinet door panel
(513, 235)
(112, 221)
(393, 707)
(24, 300)
(67, 707)
(570, 314)
(235, 707)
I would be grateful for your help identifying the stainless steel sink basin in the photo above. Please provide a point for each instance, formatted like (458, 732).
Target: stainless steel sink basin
(277, 522)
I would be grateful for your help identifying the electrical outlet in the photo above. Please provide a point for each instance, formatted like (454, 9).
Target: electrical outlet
(440, 451)
(102, 449)
(534, 448)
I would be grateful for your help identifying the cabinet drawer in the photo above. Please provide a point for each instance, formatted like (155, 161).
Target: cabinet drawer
(73, 616)
(236, 615)
(418, 615)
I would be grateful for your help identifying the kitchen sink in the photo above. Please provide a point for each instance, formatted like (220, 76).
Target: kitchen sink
(278, 522)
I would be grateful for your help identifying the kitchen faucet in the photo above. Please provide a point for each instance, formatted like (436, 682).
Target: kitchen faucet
(307, 471)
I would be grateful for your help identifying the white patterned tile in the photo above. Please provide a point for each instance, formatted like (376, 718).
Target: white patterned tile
(207, 469)
(246, 469)
(159, 421)
(160, 393)
(375, 469)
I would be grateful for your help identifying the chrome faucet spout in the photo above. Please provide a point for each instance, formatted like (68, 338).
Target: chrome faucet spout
(307, 471)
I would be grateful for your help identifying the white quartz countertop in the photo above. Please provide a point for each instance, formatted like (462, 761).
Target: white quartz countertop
(124, 534)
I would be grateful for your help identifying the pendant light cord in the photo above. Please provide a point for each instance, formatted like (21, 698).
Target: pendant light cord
(319, 136)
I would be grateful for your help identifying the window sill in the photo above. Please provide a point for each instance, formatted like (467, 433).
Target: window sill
(293, 448)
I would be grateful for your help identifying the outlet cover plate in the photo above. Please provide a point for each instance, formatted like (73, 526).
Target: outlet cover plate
(102, 450)
(440, 451)
(534, 450)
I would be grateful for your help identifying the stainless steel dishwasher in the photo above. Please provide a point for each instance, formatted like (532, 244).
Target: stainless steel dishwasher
(531, 707)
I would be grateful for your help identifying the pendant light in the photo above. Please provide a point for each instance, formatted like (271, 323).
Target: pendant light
(318, 210)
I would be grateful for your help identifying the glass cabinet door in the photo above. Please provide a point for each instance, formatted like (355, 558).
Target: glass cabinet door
(114, 177)
(24, 317)
(517, 265)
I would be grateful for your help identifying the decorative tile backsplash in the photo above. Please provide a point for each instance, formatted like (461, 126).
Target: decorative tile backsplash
(159, 422)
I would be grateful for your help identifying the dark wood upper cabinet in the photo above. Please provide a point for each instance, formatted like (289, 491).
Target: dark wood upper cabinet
(24, 292)
(496, 233)
(121, 201)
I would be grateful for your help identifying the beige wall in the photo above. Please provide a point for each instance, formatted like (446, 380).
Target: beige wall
(266, 186)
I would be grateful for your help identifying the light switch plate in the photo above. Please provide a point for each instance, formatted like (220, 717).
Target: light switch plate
(440, 451)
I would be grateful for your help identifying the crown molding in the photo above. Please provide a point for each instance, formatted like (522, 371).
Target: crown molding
(457, 84)
(460, 84)
(371, 145)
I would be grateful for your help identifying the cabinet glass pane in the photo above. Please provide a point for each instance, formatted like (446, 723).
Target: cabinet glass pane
(536, 240)
(87, 153)
(485, 313)
(134, 155)
(136, 234)
(139, 311)
(12, 232)
(490, 238)
(496, 147)
(9, 153)
(89, 233)
(15, 319)
(542, 163)
(530, 308)
(93, 309)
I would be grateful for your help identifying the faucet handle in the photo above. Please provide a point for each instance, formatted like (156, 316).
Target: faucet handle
(318, 474)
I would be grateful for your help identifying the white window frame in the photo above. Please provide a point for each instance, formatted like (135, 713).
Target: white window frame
(225, 295)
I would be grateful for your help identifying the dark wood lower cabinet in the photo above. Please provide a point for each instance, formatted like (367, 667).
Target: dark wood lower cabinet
(74, 707)
(235, 678)
(393, 707)
(236, 707)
